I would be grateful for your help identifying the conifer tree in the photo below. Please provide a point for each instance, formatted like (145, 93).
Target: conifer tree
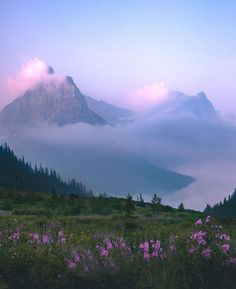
(129, 206)
(181, 207)
(156, 203)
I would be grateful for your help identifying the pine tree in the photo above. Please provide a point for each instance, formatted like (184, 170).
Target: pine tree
(141, 200)
(129, 206)
(207, 209)
(156, 203)
(181, 207)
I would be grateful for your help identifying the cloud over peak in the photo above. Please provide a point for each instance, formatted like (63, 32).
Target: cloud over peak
(30, 74)
(145, 98)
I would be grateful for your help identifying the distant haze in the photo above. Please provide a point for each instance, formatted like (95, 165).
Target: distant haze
(204, 150)
(167, 132)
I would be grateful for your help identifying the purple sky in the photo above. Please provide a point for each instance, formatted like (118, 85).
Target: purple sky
(114, 50)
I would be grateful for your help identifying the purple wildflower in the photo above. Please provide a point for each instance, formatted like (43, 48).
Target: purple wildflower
(199, 237)
(192, 250)
(15, 236)
(104, 252)
(225, 248)
(207, 253)
(75, 256)
(208, 219)
(61, 237)
(108, 244)
(198, 222)
(46, 239)
(231, 261)
(71, 265)
(34, 238)
(224, 237)
(146, 256)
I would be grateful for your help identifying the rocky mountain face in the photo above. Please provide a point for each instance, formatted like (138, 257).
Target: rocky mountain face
(178, 102)
(51, 102)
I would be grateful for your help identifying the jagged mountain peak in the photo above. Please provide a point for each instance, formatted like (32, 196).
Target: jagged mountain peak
(179, 103)
(50, 70)
(58, 102)
(201, 94)
(69, 80)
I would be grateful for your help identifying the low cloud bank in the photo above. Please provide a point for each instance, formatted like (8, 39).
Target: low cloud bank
(204, 149)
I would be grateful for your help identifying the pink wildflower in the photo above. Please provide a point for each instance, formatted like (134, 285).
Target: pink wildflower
(15, 236)
(61, 237)
(75, 256)
(224, 237)
(146, 256)
(154, 254)
(108, 243)
(208, 219)
(46, 239)
(34, 238)
(207, 253)
(199, 237)
(146, 246)
(198, 222)
(71, 265)
(192, 250)
(141, 246)
(151, 249)
(225, 248)
(104, 252)
(231, 261)
(121, 243)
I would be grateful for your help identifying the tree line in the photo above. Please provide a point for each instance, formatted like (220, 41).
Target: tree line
(225, 208)
(19, 174)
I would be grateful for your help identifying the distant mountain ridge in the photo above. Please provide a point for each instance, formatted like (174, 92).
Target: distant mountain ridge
(51, 102)
(111, 113)
(60, 102)
(180, 103)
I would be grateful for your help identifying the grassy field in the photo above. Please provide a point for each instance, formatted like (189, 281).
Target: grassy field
(112, 247)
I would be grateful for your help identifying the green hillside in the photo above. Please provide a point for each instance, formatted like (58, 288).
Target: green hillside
(18, 174)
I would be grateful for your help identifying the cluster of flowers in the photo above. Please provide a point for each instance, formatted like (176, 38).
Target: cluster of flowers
(15, 236)
(46, 239)
(152, 249)
(208, 241)
(37, 238)
(109, 244)
(74, 260)
(89, 261)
